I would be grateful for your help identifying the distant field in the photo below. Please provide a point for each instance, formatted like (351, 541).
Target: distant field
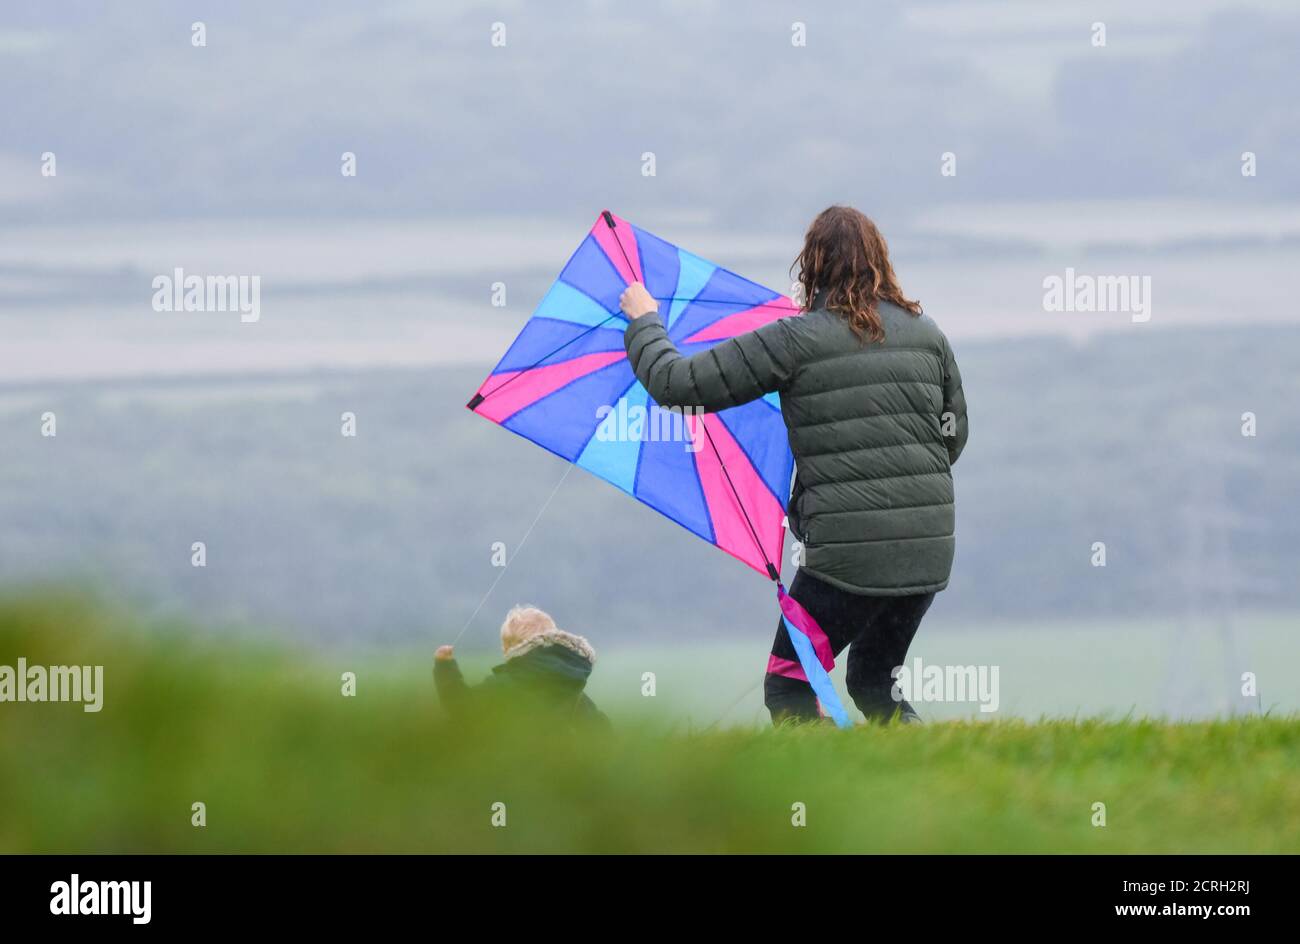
(283, 762)
(383, 537)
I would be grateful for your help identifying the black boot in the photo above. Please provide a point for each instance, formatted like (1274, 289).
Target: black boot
(789, 699)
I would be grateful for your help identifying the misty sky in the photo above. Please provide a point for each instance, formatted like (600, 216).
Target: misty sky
(746, 128)
(478, 163)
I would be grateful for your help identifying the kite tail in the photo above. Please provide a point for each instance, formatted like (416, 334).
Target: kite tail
(815, 655)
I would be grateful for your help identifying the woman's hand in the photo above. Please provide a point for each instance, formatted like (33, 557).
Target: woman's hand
(636, 301)
(443, 654)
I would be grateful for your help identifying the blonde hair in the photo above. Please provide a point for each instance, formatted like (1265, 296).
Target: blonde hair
(523, 623)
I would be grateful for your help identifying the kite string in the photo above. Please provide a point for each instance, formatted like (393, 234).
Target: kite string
(731, 707)
(511, 559)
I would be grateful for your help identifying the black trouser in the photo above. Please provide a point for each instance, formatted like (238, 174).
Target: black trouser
(877, 632)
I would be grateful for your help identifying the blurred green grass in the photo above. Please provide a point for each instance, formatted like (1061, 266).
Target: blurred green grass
(285, 763)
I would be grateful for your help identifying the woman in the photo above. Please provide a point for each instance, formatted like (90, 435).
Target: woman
(873, 402)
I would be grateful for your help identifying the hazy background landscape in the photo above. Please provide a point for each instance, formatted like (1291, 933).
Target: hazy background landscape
(480, 164)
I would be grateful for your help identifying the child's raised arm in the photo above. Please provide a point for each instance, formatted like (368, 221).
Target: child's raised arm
(453, 693)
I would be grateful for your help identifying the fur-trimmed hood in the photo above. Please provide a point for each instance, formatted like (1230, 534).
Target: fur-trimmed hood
(553, 637)
(550, 658)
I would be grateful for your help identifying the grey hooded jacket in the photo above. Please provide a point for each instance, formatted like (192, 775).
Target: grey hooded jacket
(874, 428)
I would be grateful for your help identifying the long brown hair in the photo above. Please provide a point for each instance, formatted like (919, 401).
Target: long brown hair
(846, 259)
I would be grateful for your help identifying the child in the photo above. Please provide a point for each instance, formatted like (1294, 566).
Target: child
(545, 668)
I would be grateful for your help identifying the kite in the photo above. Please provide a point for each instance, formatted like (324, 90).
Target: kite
(566, 384)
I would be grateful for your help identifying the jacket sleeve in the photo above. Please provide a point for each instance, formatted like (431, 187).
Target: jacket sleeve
(453, 693)
(728, 374)
(954, 406)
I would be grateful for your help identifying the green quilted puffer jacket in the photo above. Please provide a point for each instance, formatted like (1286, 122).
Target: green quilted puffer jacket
(874, 427)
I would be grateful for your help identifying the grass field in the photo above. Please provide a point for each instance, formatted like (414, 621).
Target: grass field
(283, 762)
